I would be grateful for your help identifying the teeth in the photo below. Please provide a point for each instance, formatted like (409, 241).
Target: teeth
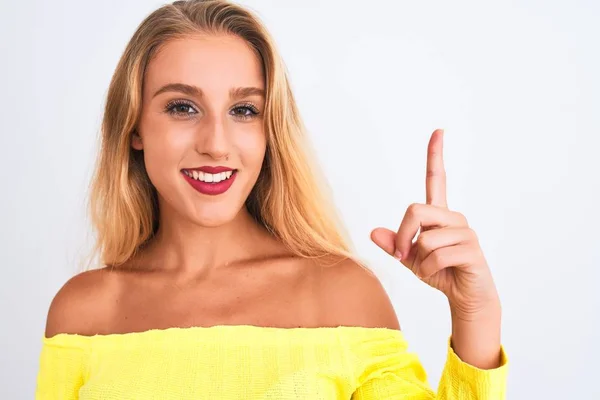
(206, 177)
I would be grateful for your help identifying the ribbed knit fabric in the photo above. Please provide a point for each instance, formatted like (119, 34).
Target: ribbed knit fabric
(250, 362)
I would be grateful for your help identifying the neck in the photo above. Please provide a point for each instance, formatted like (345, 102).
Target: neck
(184, 247)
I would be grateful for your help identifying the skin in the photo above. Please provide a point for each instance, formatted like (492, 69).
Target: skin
(211, 264)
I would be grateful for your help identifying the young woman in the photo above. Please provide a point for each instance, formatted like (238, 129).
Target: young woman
(226, 274)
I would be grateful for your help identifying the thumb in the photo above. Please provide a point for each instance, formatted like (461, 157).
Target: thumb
(385, 239)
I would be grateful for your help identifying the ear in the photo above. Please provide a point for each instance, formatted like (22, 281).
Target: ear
(136, 141)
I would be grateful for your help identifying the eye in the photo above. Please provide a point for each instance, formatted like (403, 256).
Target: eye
(180, 109)
(244, 111)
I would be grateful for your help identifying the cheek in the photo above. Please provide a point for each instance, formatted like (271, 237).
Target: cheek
(252, 149)
(164, 147)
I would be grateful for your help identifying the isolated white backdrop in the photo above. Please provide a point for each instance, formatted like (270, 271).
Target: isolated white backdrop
(514, 84)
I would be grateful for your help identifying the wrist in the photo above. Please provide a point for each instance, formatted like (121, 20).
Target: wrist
(484, 313)
(476, 336)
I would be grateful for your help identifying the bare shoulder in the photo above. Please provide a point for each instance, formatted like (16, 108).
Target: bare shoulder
(352, 295)
(80, 304)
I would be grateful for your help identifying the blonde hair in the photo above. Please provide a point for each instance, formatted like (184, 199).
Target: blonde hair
(289, 197)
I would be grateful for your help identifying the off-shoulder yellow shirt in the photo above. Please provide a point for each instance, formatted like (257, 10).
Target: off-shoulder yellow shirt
(251, 362)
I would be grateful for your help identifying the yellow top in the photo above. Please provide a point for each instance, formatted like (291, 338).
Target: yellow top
(250, 362)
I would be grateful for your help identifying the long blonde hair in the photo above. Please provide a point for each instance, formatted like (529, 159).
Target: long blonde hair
(289, 197)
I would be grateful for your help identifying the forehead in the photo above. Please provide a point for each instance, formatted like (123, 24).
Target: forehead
(213, 63)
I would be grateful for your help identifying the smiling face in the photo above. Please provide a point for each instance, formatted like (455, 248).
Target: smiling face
(201, 127)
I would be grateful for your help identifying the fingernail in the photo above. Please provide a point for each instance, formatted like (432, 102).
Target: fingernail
(398, 255)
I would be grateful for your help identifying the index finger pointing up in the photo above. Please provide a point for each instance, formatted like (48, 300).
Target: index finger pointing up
(435, 181)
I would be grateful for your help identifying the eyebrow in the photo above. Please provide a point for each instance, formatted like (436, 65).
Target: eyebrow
(192, 90)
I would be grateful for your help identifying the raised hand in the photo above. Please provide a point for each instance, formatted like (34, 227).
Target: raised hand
(446, 253)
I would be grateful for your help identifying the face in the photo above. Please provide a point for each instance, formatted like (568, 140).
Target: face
(201, 128)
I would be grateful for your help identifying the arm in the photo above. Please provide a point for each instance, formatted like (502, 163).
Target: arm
(62, 368)
(447, 256)
(64, 356)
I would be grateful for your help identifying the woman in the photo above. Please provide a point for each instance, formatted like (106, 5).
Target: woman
(227, 275)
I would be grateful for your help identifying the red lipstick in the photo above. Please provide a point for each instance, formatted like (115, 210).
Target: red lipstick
(210, 188)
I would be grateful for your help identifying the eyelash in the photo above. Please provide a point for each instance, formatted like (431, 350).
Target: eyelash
(170, 109)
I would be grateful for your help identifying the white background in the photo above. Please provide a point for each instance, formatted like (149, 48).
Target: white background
(514, 84)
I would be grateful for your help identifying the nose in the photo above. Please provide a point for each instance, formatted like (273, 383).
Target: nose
(213, 139)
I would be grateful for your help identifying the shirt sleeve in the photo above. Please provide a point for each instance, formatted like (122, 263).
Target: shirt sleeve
(463, 381)
(389, 371)
(62, 368)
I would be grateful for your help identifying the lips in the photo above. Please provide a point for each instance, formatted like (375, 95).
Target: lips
(210, 180)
